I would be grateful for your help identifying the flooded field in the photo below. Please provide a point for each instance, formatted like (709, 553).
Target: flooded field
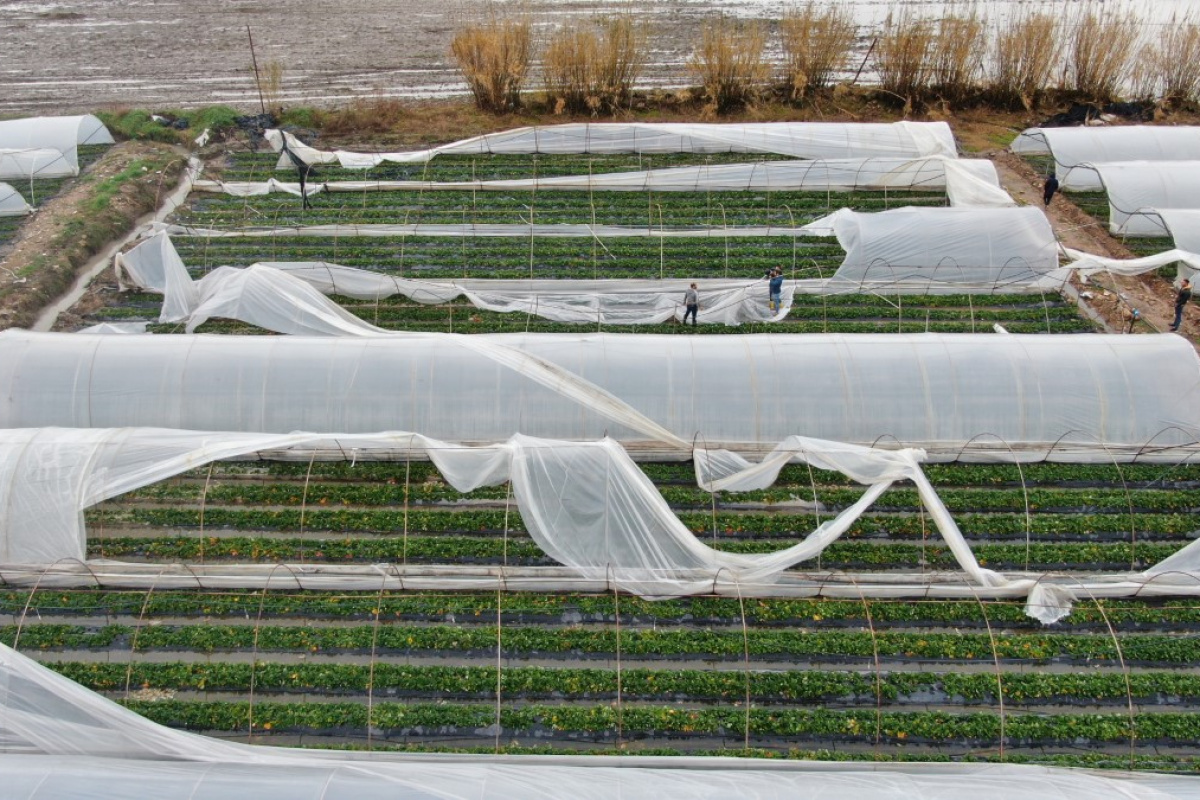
(83, 54)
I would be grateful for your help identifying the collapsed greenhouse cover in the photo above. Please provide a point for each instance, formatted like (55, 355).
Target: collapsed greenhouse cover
(796, 139)
(1100, 396)
(1074, 148)
(968, 182)
(62, 740)
(47, 146)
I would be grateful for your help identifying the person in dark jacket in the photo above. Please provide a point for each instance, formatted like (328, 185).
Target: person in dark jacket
(1049, 188)
(1181, 299)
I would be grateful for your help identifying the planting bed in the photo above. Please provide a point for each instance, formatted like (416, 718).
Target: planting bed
(1114, 684)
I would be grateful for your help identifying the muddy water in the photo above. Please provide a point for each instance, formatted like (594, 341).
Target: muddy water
(80, 55)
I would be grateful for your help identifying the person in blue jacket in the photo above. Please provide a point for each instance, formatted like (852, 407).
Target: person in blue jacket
(776, 289)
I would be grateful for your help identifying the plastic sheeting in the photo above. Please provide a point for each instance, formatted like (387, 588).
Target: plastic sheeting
(968, 182)
(12, 204)
(1073, 147)
(585, 504)
(35, 163)
(62, 740)
(1183, 224)
(922, 390)
(261, 292)
(1139, 190)
(972, 246)
(796, 139)
(1088, 264)
(61, 134)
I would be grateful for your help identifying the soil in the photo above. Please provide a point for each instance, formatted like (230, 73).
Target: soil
(55, 243)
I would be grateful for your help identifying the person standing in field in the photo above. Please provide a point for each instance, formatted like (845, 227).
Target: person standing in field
(776, 289)
(1049, 188)
(691, 303)
(1181, 299)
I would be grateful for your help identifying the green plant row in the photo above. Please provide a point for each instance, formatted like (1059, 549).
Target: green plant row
(576, 608)
(855, 645)
(864, 725)
(431, 489)
(682, 685)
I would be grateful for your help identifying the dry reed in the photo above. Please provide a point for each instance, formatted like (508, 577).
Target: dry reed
(593, 69)
(1025, 54)
(1101, 46)
(1177, 61)
(270, 87)
(816, 45)
(956, 54)
(494, 57)
(902, 55)
(729, 62)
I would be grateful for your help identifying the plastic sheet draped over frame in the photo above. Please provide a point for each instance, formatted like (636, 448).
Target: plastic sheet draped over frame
(1073, 147)
(1183, 224)
(52, 134)
(797, 139)
(67, 741)
(1138, 189)
(284, 296)
(934, 391)
(39, 163)
(972, 246)
(967, 182)
(1088, 264)
(12, 204)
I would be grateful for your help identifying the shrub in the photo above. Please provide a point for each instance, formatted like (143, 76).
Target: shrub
(728, 61)
(592, 69)
(816, 45)
(956, 54)
(902, 55)
(1025, 54)
(1177, 60)
(1100, 49)
(494, 58)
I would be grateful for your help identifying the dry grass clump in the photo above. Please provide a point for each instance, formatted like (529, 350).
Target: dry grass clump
(270, 87)
(1100, 49)
(729, 62)
(956, 54)
(816, 45)
(1176, 61)
(1025, 54)
(902, 55)
(494, 57)
(593, 69)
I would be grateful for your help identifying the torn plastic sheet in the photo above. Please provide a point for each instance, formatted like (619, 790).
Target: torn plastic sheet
(587, 505)
(67, 741)
(808, 140)
(268, 294)
(967, 182)
(1088, 264)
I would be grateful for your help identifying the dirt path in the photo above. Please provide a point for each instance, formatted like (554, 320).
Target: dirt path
(1113, 298)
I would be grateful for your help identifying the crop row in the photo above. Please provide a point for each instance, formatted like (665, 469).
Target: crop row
(815, 643)
(958, 474)
(512, 550)
(676, 685)
(246, 166)
(650, 210)
(394, 719)
(573, 609)
(427, 488)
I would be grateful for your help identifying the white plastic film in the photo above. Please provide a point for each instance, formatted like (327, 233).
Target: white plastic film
(1138, 189)
(35, 163)
(1088, 144)
(61, 134)
(12, 204)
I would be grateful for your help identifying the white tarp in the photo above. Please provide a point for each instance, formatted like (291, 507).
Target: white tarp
(1137, 190)
(1088, 264)
(12, 204)
(967, 182)
(63, 740)
(1073, 147)
(971, 246)
(1183, 225)
(265, 293)
(933, 391)
(796, 139)
(35, 163)
(61, 134)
